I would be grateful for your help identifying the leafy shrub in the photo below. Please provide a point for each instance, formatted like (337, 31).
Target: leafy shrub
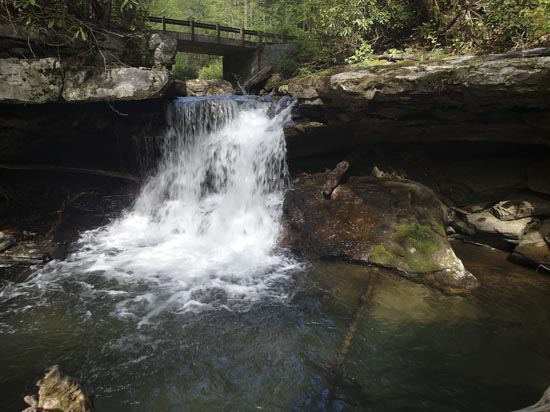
(212, 71)
(286, 67)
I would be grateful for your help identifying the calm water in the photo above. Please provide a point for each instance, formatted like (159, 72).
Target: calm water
(415, 348)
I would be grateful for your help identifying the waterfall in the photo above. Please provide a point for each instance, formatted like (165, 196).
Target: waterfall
(203, 231)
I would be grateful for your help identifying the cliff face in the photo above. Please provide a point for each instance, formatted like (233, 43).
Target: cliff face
(493, 98)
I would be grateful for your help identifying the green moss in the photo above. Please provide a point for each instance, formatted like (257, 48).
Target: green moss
(380, 255)
(418, 243)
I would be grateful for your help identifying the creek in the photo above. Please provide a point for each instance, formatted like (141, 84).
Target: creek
(185, 302)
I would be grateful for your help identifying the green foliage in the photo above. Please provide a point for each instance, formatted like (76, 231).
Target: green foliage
(486, 25)
(213, 71)
(286, 67)
(73, 21)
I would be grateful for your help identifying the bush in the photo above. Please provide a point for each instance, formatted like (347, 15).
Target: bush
(213, 71)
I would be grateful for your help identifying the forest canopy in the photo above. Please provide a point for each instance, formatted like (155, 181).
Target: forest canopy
(331, 31)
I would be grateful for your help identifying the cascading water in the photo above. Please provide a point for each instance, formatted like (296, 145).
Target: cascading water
(203, 231)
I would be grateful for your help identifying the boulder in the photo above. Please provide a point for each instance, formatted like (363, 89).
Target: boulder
(485, 223)
(59, 392)
(389, 222)
(164, 49)
(30, 81)
(534, 247)
(520, 208)
(202, 87)
(126, 83)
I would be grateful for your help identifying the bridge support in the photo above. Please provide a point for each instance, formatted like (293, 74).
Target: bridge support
(242, 66)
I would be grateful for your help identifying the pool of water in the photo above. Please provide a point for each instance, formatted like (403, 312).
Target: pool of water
(414, 349)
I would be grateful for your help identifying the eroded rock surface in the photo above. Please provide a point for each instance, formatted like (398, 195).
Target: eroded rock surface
(59, 392)
(394, 223)
(494, 98)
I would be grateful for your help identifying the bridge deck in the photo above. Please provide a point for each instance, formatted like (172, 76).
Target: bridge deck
(219, 46)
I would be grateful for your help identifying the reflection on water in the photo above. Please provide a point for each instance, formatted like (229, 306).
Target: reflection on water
(415, 349)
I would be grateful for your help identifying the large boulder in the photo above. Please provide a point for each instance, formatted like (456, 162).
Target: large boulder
(30, 81)
(390, 222)
(164, 49)
(127, 83)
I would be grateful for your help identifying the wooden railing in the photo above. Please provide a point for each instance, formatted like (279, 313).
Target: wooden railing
(219, 29)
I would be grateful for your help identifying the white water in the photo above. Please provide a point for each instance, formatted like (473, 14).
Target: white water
(203, 231)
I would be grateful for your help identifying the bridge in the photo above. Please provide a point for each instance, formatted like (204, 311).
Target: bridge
(245, 52)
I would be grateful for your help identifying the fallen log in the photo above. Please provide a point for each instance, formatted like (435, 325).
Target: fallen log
(338, 174)
(66, 169)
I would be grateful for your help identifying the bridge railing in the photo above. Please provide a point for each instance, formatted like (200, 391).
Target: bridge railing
(219, 29)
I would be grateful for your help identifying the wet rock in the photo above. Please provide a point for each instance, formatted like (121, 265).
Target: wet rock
(541, 406)
(164, 50)
(202, 87)
(126, 83)
(273, 82)
(534, 247)
(394, 223)
(7, 240)
(33, 252)
(485, 223)
(30, 80)
(59, 392)
(518, 209)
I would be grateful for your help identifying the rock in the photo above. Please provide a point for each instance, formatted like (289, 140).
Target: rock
(394, 223)
(261, 77)
(115, 84)
(510, 231)
(538, 177)
(164, 49)
(33, 252)
(273, 81)
(541, 406)
(179, 88)
(534, 247)
(467, 98)
(201, 87)
(58, 392)
(30, 81)
(7, 240)
(518, 209)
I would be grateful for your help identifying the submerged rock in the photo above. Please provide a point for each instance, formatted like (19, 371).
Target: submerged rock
(394, 223)
(59, 392)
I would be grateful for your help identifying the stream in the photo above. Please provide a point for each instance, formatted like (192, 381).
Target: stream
(185, 302)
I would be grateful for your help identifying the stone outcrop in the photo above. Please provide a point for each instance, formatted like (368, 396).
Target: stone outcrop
(114, 84)
(534, 246)
(494, 98)
(202, 87)
(44, 81)
(164, 49)
(394, 223)
(30, 81)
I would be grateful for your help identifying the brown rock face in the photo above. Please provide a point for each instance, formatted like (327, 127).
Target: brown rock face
(388, 222)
